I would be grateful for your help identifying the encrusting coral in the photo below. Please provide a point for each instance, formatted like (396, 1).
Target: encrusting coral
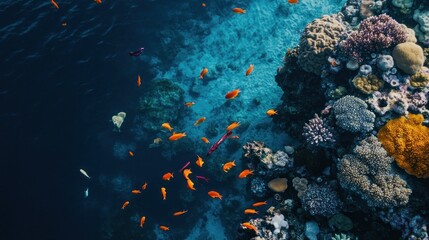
(368, 173)
(407, 140)
(318, 42)
(368, 84)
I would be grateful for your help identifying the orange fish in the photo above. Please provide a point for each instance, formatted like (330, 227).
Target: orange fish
(125, 204)
(98, 1)
(186, 173)
(142, 220)
(205, 140)
(215, 194)
(55, 4)
(167, 126)
(292, 1)
(239, 10)
(249, 70)
(164, 193)
(258, 204)
(233, 94)
(144, 186)
(244, 173)
(234, 137)
(199, 161)
(227, 166)
(249, 226)
(139, 80)
(190, 184)
(164, 228)
(189, 104)
(180, 213)
(176, 136)
(167, 176)
(271, 112)
(203, 4)
(131, 153)
(204, 72)
(232, 126)
(199, 121)
(250, 211)
(136, 192)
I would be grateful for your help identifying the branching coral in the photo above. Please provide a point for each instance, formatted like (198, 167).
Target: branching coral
(318, 42)
(407, 140)
(318, 133)
(368, 84)
(374, 34)
(368, 173)
(351, 114)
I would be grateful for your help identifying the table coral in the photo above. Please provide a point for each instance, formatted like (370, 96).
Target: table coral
(368, 84)
(368, 173)
(318, 42)
(407, 140)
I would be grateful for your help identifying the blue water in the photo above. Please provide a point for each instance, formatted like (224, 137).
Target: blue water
(61, 85)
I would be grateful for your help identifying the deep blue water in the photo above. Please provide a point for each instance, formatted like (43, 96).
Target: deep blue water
(59, 88)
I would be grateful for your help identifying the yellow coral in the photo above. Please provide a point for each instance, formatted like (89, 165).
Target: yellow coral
(419, 80)
(368, 84)
(407, 140)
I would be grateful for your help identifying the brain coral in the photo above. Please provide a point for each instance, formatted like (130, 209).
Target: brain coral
(318, 42)
(408, 57)
(407, 140)
(351, 114)
(368, 173)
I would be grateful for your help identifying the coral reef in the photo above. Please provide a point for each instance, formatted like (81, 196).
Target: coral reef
(374, 34)
(419, 80)
(351, 114)
(412, 226)
(300, 185)
(278, 184)
(368, 173)
(407, 140)
(421, 16)
(317, 132)
(321, 200)
(318, 42)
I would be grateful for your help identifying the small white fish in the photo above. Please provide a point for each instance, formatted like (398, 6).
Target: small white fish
(86, 193)
(84, 173)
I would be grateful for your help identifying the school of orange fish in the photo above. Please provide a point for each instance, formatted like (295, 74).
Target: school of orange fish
(199, 162)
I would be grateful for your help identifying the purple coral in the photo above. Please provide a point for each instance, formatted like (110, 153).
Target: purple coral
(317, 132)
(374, 34)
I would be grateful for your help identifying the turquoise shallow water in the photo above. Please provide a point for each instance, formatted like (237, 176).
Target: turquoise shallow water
(61, 85)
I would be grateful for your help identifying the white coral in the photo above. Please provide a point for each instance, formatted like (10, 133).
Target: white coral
(278, 222)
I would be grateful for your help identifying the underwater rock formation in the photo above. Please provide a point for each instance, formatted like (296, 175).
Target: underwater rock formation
(163, 102)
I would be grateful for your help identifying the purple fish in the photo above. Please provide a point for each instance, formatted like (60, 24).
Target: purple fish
(136, 53)
(216, 144)
(187, 164)
(203, 178)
